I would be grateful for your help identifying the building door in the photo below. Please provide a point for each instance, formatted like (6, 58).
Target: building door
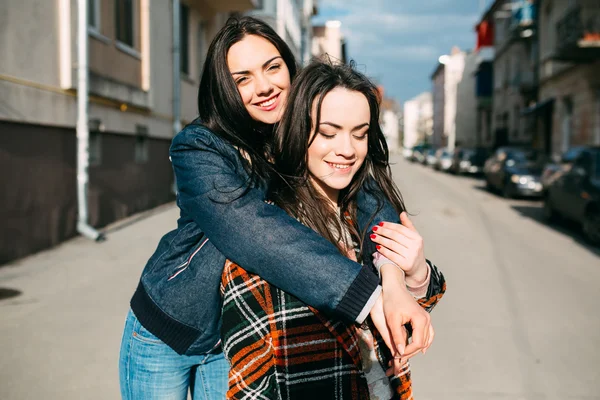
(567, 124)
(547, 128)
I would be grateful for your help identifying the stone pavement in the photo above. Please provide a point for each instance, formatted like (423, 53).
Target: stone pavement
(60, 337)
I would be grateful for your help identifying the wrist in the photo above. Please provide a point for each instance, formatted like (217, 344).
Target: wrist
(418, 277)
(392, 276)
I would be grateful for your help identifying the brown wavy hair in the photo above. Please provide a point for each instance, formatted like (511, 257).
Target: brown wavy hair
(292, 190)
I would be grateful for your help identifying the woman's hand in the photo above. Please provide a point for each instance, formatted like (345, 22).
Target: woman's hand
(402, 244)
(395, 308)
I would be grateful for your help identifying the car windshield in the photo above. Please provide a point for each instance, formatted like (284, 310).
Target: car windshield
(475, 155)
(572, 154)
(525, 157)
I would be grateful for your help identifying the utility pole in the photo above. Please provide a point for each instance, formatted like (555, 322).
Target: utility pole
(176, 68)
(83, 133)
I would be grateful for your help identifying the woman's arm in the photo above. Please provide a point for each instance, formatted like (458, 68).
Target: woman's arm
(262, 237)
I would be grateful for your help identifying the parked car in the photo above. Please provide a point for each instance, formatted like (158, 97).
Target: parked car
(554, 170)
(407, 153)
(469, 161)
(430, 158)
(575, 194)
(418, 153)
(443, 159)
(515, 171)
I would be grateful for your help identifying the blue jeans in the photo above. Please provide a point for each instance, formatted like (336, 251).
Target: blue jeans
(151, 370)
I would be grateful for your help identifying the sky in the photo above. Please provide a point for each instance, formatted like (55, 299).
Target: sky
(397, 42)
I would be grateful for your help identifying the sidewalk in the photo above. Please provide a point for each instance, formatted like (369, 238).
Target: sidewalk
(60, 338)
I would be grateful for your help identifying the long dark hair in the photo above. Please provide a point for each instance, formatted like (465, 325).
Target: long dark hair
(292, 190)
(220, 106)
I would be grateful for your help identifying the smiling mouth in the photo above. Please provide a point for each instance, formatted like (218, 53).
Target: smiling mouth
(341, 167)
(268, 104)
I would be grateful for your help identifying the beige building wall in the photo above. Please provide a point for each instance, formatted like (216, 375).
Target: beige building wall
(129, 86)
(466, 112)
(418, 120)
(454, 69)
(328, 39)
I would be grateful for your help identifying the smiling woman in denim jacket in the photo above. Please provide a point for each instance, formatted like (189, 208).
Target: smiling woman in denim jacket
(171, 338)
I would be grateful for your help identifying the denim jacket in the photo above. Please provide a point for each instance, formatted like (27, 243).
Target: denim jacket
(178, 298)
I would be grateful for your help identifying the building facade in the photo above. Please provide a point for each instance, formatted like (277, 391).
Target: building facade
(390, 123)
(418, 120)
(568, 110)
(131, 109)
(446, 78)
(484, 80)
(514, 70)
(329, 41)
(291, 21)
(466, 111)
(438, 79)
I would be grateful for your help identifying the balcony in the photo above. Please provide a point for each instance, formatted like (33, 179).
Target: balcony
(578, 33)
(524, 82)
(523, 20)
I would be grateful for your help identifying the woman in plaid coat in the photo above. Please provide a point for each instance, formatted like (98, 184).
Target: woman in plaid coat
(328, 145)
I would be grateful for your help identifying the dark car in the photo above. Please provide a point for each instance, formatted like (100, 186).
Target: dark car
(552, 171)
(443, 159)
(515, 171)
(430, 159)
(469, 161)
(575, 195)
(418, 153)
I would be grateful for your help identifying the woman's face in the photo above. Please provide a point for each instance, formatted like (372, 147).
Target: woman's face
(341, 143)
(261, 76)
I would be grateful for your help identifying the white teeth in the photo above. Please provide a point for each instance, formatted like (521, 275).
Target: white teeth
(339, 166)
(268, 102)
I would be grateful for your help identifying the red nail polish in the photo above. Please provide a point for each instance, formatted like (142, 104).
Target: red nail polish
(378, 247)
(373, 236)
(375, 228)
(381, 224)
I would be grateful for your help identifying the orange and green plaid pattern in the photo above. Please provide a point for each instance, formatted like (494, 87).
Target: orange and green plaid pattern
(280, 348)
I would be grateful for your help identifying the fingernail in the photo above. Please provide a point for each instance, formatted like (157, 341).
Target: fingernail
(373, 236)
(375, 228)
(378, 247)
(381, 223)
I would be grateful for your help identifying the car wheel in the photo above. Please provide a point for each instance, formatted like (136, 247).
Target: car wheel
(488, 185)
(506, 192)
(591, 226)
(550, 214)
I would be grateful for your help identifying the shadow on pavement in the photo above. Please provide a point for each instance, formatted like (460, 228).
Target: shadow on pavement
(568, 228)
(6, 293)
(482, 187)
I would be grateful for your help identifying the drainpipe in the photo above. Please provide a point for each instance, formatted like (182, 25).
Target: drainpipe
(176, 69)
(83, 133)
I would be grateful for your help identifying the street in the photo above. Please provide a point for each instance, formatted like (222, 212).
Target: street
(519, 319)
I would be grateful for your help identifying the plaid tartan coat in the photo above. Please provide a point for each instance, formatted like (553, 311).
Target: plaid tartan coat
(280, 348)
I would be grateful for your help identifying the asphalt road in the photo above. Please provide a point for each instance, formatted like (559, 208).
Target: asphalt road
(519, 320)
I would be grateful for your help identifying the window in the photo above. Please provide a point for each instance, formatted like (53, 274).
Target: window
(184, 34)
(584, 162)
(95, 148)
(141, 144)
(124, 21)
(94, 14)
